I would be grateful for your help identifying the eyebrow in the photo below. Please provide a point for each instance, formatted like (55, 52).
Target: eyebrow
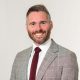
(42, 21)
(33, 22)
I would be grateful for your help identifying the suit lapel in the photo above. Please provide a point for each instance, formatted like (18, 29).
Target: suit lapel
(50, 56)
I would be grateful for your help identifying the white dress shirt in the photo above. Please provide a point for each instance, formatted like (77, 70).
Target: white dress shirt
(44, 47)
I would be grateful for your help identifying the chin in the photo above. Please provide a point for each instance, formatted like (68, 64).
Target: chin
(40, 41)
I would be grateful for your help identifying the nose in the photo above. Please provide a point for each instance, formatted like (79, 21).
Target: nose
(38, 27)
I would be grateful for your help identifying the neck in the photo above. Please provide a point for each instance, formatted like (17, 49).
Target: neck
(42, 43)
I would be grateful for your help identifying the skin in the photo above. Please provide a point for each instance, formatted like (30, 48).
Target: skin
(39, 27)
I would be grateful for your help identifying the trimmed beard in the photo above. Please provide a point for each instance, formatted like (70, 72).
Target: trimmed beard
(40, 31)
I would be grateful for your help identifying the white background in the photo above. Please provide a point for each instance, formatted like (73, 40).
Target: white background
(13, 36)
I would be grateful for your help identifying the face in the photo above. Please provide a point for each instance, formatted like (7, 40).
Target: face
(39, 27)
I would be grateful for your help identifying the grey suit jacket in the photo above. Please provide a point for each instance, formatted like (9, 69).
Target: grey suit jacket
(58, 64)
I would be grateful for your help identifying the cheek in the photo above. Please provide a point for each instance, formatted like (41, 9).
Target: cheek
(46, 28)
(30, 29)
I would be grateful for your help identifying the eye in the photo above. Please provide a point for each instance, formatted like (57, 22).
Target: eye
(43, 22)
(32, 23)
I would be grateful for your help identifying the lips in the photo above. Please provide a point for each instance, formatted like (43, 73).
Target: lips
(39, 35)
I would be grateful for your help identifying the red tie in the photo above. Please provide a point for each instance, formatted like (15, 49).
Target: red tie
(34, 64)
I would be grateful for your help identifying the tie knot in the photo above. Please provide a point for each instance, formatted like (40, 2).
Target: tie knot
(37, 49)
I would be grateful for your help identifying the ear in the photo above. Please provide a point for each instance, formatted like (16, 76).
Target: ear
(51, 24)
(26, 24)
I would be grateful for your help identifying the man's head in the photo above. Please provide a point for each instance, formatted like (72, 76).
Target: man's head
(39, 24)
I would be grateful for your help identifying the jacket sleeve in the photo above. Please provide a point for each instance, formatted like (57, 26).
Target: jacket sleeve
(70, 68)
(13, 72)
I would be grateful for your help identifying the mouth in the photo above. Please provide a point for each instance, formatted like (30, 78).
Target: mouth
(39, 35)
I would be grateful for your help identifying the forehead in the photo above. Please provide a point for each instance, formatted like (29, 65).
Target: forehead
(37, 15)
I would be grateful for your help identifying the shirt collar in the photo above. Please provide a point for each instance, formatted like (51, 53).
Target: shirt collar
(44, 47)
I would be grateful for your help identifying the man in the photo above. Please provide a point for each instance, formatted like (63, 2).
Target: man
(54, 61)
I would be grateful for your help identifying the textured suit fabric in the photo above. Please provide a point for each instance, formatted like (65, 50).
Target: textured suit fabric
(58, 64)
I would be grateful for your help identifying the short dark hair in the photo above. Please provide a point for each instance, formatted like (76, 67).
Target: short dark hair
(38, 8)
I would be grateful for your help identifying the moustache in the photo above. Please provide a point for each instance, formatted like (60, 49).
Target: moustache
(39, 31)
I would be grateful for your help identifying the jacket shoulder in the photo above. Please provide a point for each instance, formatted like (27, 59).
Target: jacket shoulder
(22, 55)
(25, 51)
(67, 57)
